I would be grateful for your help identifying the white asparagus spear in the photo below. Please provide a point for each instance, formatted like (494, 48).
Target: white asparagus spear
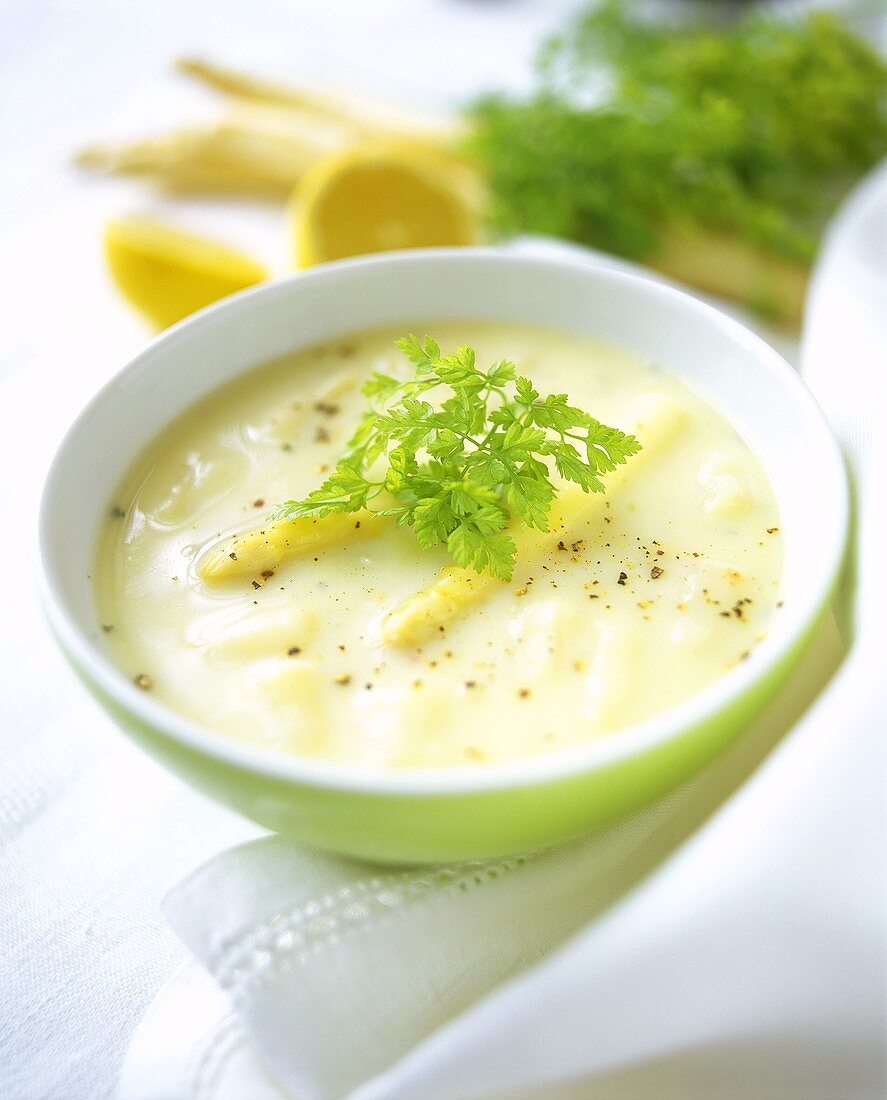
(654, 419)
(256, 150)
(262, 549)
(724, 264)
(367, 118)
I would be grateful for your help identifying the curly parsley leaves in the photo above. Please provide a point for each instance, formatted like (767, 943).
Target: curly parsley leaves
(457, 452)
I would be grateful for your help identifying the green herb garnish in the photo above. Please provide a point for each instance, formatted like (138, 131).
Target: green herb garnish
(460, 467)
(754, 127)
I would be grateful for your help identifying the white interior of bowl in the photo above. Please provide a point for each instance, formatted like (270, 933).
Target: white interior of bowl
(719, 358)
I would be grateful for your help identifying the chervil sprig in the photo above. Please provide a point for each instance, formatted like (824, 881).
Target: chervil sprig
(459, 454)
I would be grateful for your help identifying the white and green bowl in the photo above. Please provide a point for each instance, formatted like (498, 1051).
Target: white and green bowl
(459, 812)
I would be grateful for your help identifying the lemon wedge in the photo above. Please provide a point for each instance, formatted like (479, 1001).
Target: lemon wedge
(167, 273)
(377, 197)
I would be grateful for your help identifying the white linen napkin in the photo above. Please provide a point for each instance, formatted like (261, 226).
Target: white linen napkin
(726, 941)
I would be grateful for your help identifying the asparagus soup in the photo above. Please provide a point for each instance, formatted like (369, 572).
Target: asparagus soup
(339, 637)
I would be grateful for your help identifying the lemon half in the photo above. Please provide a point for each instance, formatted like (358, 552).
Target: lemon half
(378, 197)
(167, 273)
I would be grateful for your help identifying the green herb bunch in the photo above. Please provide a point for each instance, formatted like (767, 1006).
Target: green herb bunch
(755, 127)
(458, 468)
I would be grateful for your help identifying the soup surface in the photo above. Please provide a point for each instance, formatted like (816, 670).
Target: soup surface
(633, 602)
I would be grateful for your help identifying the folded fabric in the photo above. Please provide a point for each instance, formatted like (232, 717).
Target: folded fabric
(726, 941)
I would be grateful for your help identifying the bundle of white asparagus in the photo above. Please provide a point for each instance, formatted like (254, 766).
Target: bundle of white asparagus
(267, 138)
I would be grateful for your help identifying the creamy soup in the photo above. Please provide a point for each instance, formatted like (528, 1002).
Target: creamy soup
(349, 643)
